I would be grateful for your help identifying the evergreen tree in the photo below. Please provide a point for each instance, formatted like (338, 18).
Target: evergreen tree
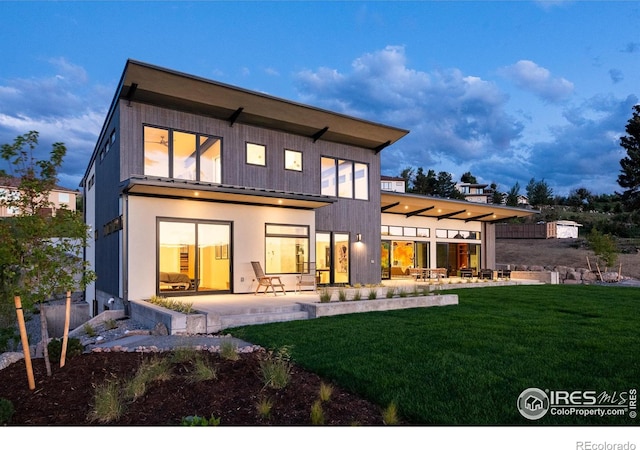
(512, 195)
(539, 193)
(629, 177)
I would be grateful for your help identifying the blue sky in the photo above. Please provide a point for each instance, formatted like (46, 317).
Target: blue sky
(509, 90)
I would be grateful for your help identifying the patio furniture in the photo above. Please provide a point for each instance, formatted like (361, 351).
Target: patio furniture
(486, 274)
(266, 281)
(173, 281)
(466, 273)
(307, 276)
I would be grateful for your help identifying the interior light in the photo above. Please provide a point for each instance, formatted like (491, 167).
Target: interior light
(196, 193)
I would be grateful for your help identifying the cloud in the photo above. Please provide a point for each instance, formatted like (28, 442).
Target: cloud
(452, 117)
(531, 77)
(616, 75)
(583, 152)
(62, 106)
(631, 47)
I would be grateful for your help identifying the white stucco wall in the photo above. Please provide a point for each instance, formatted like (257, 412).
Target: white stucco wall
(248, 241)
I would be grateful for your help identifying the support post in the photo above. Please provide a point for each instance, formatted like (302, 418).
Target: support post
(65, 338)
(25, 342)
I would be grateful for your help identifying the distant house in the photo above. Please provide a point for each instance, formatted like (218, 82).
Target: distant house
(59, 197)
(476, 192)
(392, 184)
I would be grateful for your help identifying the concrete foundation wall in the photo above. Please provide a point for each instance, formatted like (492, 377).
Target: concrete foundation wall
(316, 310)
(177, 323)
(549, 277)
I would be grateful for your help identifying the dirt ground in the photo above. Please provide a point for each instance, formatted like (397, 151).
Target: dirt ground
(68, 396)
(560, 252)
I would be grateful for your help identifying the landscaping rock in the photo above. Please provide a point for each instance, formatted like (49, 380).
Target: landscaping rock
(160, 330)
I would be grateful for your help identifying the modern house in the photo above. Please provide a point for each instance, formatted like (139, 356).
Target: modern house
(476, 192)
(192, 180)
(59, 197)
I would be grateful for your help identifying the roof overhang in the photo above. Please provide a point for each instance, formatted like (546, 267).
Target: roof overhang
(414, 205)
(192, 190)
(146, 83)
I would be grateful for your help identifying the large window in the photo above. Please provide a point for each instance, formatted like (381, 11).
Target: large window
(287, 248)
(182, 155)
(194, 256)
(343, 178)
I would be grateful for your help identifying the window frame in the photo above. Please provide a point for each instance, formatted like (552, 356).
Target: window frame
(250, 161)
(170, 153)
(344, 168)
(296, 152)
(283, 234)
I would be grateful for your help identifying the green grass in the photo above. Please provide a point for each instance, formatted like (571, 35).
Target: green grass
(467, 364)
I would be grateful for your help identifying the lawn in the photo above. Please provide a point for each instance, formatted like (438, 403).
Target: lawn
(467, 364)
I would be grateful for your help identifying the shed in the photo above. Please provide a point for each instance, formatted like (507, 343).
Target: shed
(567, 229)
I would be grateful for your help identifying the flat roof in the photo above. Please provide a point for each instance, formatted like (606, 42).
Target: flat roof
(147, 83)
(409, 205)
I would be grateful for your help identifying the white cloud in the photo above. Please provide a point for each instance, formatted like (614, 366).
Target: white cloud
(452, 116)
(531, 77)
(63, 107)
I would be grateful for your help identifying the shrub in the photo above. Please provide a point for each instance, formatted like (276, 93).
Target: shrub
(9, 337)
(202, 371)
(342, 295)
(155, 369)
(264, 406)
(107, 405)
(174, 305)
(199, 421)
(391, 291)
(74, 348)
(390, 414)
(357, 295)
(402, 293)
(89, 330)
(325, 392)
(325, 296)
(317, 414)
(373, 294)
(110, 324)
(276, 368)
(6, 411)
(229, 350)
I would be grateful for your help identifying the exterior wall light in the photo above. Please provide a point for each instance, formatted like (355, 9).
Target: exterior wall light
(358, 237)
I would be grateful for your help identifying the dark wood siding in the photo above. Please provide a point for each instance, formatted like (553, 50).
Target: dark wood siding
(346, 215)
(107, 208)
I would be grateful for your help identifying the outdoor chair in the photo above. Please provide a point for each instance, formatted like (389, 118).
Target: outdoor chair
(307, 276)
(265, 281)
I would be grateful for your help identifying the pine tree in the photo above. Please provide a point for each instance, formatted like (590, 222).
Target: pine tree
(629, 177)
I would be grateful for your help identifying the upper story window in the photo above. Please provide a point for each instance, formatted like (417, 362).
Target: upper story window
(344, 178)
(183, 155)
(256, 154)
(293, 160)
(63, 198)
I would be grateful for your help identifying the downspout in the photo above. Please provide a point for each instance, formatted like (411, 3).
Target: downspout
(124, 252)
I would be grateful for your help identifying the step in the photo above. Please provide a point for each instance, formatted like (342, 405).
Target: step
(236, 320)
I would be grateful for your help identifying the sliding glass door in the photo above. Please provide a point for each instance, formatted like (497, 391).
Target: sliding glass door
(193, 257)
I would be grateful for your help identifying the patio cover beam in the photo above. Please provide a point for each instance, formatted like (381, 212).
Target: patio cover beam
(384, 208)
(418, 211)
(445, 216)
(232, 119)
(470, 219)
(318, 134)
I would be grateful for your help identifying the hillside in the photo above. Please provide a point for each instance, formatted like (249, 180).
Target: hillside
(559, 252)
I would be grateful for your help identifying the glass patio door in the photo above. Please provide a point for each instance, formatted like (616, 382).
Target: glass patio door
(193, 257)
